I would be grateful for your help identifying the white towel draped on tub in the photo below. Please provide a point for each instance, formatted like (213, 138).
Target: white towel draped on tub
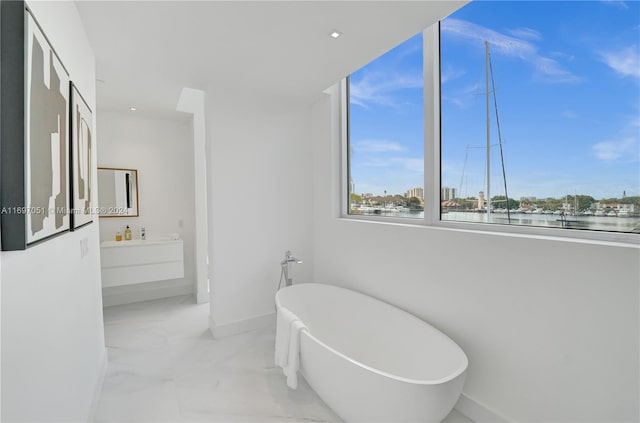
(287, 351)
(283, 326)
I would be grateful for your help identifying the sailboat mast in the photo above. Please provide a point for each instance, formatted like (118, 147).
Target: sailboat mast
(486, 48)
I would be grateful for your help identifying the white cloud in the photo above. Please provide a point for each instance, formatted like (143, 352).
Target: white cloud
(467, 92)
(564, 56)
(377, 88)
(509, 46)
(626, 148)
(408, 163)
(399, 165)
(376, 146)
(393, 174)
(374, 162)
(528, 33)
(625, 61)
(456, 101)
(450, 74)
(617, 3)
(504, 44)
(464, 97)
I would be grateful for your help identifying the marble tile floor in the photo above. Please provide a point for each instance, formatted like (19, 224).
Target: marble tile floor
(164, 366)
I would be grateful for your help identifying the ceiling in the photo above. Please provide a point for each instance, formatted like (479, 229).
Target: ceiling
(147, 51)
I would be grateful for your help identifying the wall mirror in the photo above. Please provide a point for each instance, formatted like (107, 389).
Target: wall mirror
(118, 192)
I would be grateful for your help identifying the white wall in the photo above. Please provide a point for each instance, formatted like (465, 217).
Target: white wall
(551, 327)
(162, 152)
(53, 352)
(192, 102)
(259, 194)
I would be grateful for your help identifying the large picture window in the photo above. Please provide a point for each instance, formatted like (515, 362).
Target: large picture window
(386, 134)
(549, 94)
(539, 120)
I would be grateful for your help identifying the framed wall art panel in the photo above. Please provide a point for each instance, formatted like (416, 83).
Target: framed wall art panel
(12, 195)
(46, 138)
(82, 145)
(34, 145)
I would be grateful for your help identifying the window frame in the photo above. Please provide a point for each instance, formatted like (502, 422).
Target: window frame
(432, 163)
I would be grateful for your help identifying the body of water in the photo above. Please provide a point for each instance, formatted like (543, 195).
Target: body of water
(598, 223)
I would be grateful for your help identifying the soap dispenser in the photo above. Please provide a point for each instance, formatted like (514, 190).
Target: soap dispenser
(127, 234)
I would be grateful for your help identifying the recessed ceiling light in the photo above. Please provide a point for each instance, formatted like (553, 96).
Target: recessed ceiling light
(335, 34)
(133, 109)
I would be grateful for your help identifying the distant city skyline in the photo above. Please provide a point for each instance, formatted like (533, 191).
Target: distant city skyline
(449, 193)
(567, 78)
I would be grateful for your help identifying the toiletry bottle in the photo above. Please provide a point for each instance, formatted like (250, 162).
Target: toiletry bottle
(118, 236)
(127, 233)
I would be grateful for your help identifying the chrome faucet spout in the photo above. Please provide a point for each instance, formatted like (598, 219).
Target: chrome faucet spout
(288, 258)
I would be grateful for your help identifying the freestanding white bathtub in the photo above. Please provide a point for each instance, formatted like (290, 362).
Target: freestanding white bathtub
(372, 362)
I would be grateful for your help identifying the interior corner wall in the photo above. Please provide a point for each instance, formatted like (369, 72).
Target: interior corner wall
(259, 195)
(162, 152)
(53, 351)
(191, 101)
(550, 326)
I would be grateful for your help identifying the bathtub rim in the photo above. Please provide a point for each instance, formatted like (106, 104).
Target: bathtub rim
(459, 371)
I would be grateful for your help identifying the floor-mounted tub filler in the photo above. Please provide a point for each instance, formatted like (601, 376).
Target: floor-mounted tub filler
(368, 360)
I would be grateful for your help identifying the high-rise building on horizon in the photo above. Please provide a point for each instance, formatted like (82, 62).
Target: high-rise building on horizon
(447, 193)
(415, 192)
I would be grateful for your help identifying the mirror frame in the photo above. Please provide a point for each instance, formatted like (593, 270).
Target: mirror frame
(136, 188)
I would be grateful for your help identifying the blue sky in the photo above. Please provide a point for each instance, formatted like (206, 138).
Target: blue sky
(567, 78)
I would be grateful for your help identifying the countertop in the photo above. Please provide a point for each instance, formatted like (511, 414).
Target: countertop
(138, 242)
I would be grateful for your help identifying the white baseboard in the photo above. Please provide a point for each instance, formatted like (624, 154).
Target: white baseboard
(202, 297)
(241, 326)
(478, 412)
(97, 390)
(128, 294)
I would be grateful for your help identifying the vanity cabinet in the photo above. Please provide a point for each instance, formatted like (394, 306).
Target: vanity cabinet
(138, 261)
